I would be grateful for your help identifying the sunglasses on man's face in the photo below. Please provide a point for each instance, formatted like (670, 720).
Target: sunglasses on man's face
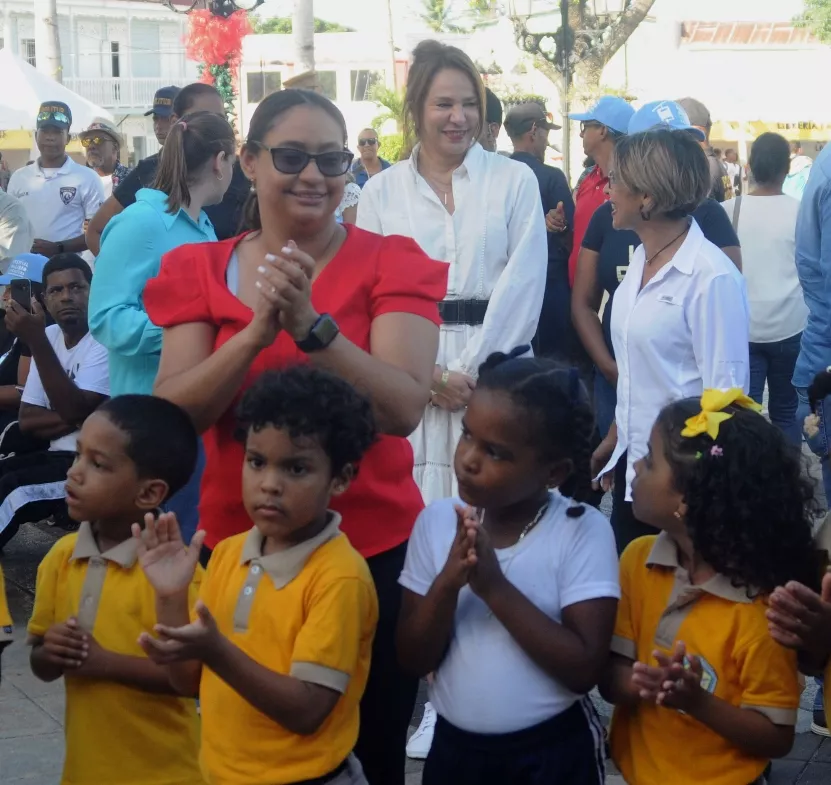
(96, 140)
(289, 160)
(367, 142)
(589, 124)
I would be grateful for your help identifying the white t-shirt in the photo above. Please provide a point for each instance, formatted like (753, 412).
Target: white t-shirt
(58, 201)
(16, 233)
(767, 233)
(487, 683)
(85, 363)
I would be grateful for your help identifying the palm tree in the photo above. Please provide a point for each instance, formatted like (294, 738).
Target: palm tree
(439, 17)
(391, 104)
(303, 29)
(47, 42)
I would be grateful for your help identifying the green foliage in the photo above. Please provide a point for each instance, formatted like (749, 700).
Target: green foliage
(391, 104)
(224, 83)
(817, 18)
(281, 25)
(391, 147)
(518, 97)
(438, 15)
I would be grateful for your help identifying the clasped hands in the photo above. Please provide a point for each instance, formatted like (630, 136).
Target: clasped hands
(472, 559)
(674, 682)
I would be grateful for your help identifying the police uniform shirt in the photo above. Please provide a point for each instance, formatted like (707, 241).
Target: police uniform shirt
(58, 201)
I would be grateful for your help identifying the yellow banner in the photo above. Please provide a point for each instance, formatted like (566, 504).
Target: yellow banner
(806, 131)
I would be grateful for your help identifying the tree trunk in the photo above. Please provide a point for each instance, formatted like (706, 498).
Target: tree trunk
(303, 27)
(47, 41)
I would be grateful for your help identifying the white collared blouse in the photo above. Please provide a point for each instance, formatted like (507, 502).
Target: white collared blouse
(495, 241)
(684, 332)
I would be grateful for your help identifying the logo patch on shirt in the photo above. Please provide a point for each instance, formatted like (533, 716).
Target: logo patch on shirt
(68, 194)
(709, 677)
(667, 298)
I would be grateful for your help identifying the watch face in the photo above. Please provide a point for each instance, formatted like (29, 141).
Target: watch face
(326, 331)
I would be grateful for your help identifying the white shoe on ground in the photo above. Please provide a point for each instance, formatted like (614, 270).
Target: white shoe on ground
(419, 744)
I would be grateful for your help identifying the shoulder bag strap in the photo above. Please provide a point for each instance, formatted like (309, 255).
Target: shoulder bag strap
(737, 208)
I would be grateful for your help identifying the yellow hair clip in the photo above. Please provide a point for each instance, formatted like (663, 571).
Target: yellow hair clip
(712, 415)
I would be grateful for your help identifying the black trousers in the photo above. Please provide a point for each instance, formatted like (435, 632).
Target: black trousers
(624, 523)
(31, 489)
(389, 699)
(390, 695)
(565, 750)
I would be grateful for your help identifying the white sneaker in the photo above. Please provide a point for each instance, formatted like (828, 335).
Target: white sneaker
(419, 744)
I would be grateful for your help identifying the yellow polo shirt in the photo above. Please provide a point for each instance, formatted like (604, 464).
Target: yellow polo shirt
(6, 626)
(114, 733)
(309, 612)
(743, 666)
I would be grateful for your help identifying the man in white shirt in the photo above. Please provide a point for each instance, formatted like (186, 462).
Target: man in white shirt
(68, 380)
(59, 195)
(16, 233)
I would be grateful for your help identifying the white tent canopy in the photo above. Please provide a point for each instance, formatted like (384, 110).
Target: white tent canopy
(26, 88)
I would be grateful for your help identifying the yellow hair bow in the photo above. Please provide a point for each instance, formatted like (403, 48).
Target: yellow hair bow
(713, 402)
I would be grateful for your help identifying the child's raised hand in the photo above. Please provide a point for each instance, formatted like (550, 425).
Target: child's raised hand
(799, 618)
(487, 575)
(168, 564)
(195, 641)
(63, 645)
(648, 680)
(462, 556)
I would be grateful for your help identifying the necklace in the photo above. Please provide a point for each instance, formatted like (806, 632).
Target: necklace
(528, 526)
(437, 186)
(677, 237)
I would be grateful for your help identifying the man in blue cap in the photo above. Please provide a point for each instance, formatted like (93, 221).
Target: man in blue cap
(600, 128)
(162, 111)
(58, 194)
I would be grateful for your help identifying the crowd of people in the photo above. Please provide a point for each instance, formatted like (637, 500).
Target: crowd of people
(325, 426)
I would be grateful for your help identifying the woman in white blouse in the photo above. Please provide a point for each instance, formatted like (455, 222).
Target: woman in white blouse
(680, 317)
(479, 212)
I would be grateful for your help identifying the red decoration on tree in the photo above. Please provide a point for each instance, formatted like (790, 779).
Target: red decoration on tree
(214, 40)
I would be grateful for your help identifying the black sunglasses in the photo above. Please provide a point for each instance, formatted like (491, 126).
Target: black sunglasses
(367, 142)
(290, 160)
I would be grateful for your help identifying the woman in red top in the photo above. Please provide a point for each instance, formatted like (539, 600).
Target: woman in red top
(302, 288)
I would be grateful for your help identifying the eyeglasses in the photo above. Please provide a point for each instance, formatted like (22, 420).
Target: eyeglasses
(96, 140)
(584, 124)
(73, 289)
(58, 116)
(367, 142)
(289, 160)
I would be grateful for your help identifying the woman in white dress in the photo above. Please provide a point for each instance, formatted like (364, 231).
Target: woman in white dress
(479, 212)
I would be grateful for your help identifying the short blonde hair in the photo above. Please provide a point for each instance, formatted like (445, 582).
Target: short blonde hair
(430, 57)
(668, 166)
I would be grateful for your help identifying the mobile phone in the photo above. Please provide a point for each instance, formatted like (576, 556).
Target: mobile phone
(21, 290)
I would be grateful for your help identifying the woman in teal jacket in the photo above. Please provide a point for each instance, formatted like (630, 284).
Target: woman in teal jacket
(194, 171)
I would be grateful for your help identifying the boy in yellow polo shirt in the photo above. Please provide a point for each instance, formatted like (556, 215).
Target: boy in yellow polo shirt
(702, 692)
(279, 645)
(124, 722)
(6, 626)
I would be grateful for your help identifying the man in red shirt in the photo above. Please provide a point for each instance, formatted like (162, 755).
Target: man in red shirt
(600, 128)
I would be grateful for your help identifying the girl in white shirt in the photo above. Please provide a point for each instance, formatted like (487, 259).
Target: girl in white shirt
(680, 318)
(479, 212)
(511, 600)
(765, 221)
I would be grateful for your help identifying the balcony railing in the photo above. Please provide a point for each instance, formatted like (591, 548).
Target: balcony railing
(119, 93)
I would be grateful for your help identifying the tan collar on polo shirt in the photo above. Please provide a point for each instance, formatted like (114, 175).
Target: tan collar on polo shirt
(125, 554)
(284, 566)
(664, 553)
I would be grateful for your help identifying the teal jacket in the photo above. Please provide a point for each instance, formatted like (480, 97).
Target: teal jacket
(132, 247)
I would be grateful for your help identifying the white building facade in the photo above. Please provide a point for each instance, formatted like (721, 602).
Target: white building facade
(116, 53)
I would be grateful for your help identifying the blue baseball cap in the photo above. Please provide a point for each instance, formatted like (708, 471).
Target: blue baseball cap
(663, 113)
(163, 101)
(25, 265)
(611, 111)
(54, 114)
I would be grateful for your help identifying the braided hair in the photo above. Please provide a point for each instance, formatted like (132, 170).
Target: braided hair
(557, 406)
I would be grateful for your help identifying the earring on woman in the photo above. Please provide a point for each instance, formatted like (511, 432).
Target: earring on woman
(677, 515)
(645, 214)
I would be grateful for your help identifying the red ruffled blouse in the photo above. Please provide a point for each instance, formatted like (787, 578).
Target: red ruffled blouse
(369, 276)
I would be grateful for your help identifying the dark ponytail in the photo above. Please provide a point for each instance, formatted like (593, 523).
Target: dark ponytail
(190, 144)
(264, 117)
(557, 405)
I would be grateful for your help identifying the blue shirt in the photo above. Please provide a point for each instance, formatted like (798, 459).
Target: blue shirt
(360, 173)
(813, 263)
(132, 247)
